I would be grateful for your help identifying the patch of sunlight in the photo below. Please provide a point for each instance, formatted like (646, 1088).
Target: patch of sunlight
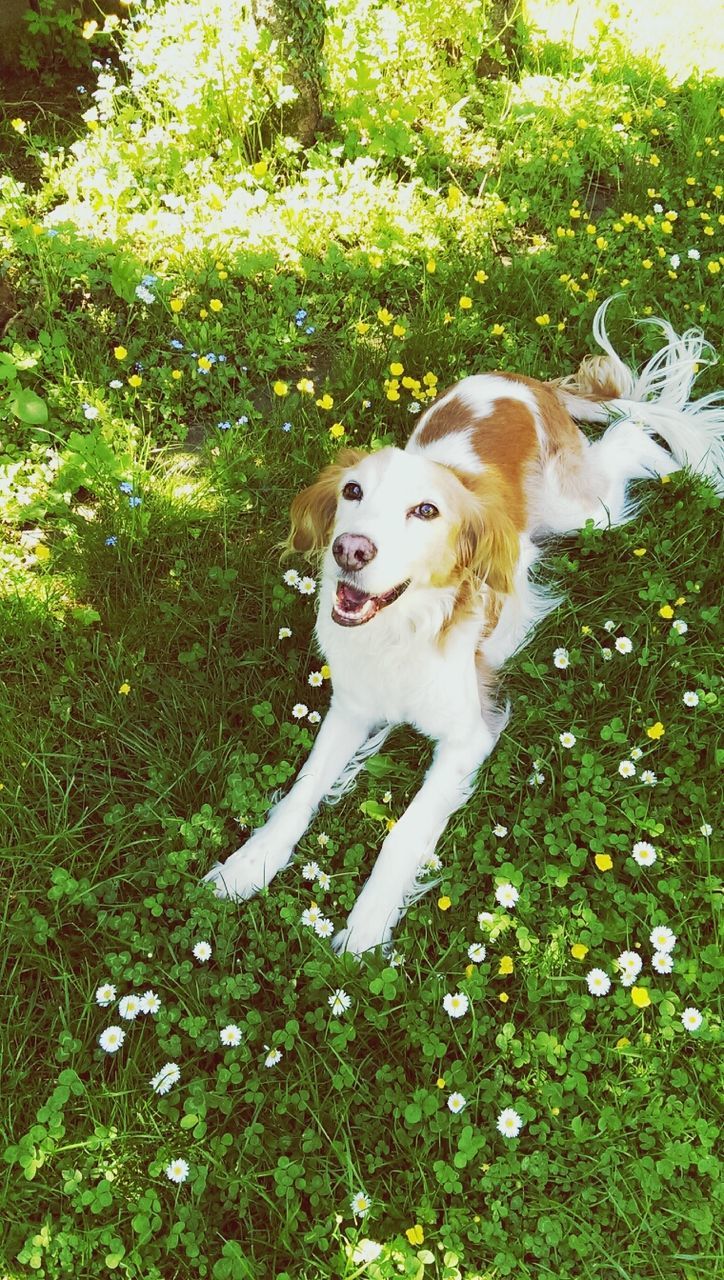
(684, 39)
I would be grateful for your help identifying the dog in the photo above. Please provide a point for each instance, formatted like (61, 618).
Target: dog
(426, 558)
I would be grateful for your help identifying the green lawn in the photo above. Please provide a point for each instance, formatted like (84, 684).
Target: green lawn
(174, 269)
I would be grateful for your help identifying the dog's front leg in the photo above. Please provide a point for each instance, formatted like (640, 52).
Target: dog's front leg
(394, 882)
(270, 848)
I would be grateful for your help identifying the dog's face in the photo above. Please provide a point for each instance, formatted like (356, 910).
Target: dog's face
(392, 521)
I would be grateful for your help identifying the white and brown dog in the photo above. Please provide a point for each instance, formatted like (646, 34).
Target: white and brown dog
(425, 588)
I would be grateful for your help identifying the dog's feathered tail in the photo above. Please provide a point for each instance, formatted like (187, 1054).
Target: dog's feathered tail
(657, 399)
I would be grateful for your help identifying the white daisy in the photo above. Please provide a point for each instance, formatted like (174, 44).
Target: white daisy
(299, 710)
(644, 853)
(509, 1123)
(623, 644)
(314, 717)
(202, 952)
(607, 654)
(662, 961)
(567, 739)
(599, 982)
(311, 916)
(231, 1035)
(284, 633)
(456, 1005)
(111, 1039)
(500, 831)
(680, 626)
(315, 678)
(150, 1002)
(536, 779)
(561, 659)
(675, 261)
(310, 870)
(324, 928)
(690, 699)
(706, 828)
(609, 625)
(691, 1019)
(360, 1204)
(323, 839)
(166, 1078)
(323, 880)
(630, 964)
(507, 895)
(177, 1171)
(476, 952)
(433, 862)
(129, 1007)
(338, 1002)
(456, 1102)
(485, 918)
(693, 254)
(636, 753)
(307, 587)
(627, 769)
(648, 777)
(291, 577)
(662, 938)
(387, 798)
(105, 994)
(273, 1057)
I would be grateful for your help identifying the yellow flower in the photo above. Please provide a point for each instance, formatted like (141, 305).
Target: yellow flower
(640, 997)
(465, 303)
(654, 160)
(306, 386)
(623, 1043)
(431, 266)
(453, 196)
(543, 320)
(396, 369)
(448, 318)
(280, 388)
(384, 316)
(444, 903)
(120, 353)
(655, 731)
(392, 393)
(603, 861)
(216, 305)
(135, 380)
(415, 1234)
(204, 364)
(125, 688)
(579, 951)
(42, 552)
(666, 611)
(177, 374)
(325, 671)
(497, 330)
(585, 631)
(361, 326)
(325, 401)
(506, 965)
(440, 1082)
(203, 313)
(713, 267)
(176, 305)
(680, 600)
(260, 168)
(639, 551)
(399, 330)
(18, 124)
(481, 276)
(504, 997)
(430, 379)
(336, 431)
(647, 264)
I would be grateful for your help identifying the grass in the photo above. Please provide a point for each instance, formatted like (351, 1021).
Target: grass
(146, 705)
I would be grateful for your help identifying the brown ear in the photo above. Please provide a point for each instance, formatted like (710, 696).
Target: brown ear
(488, 543)
(312, 511)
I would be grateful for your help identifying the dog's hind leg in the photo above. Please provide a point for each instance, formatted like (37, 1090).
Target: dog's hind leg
(270, 848)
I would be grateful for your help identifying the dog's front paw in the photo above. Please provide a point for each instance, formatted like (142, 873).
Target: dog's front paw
(365, 935)
(247, 871)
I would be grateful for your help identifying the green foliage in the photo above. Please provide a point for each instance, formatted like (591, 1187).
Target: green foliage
(203, 313)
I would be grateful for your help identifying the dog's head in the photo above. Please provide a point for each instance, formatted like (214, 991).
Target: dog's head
(393, 521)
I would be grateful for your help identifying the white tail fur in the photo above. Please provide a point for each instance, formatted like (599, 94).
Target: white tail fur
(657, 399)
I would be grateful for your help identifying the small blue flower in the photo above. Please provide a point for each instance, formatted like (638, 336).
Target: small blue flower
(135, 501)
(211, 357)
(111, 540)
(51, 233)
(125, 486)
(242, 421)
(143, 294)
(224, 426)
(90, 412)
(309, 328)
(116, 384)
(301, 315)
(176, 344)
(286, 426)
(149, 280)
(80, 88)
(221, 359)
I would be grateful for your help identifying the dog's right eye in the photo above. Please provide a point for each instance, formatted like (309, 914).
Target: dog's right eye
(352, 492)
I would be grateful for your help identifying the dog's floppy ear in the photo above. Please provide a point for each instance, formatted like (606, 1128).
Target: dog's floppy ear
(488, 545)
(312, 511)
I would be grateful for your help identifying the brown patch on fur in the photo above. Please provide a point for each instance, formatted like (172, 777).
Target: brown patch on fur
(446, 417)
(596, 379)
(312, 511)
(487, 539)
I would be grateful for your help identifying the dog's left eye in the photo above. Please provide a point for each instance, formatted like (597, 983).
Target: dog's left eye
(352, 492)
(425, 511)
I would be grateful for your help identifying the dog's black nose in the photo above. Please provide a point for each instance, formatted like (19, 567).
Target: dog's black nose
(353, 550)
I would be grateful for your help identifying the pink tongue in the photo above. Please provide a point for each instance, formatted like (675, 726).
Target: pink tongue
(349, 597)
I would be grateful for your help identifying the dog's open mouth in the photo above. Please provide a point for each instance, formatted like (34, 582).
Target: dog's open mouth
(352, 607)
